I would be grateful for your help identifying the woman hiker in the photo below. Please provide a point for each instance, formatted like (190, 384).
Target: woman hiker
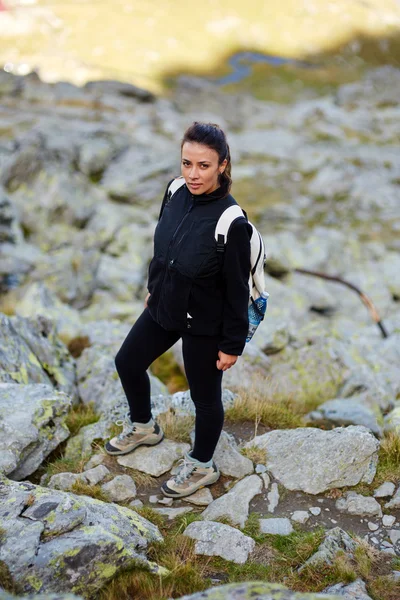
(193, 295)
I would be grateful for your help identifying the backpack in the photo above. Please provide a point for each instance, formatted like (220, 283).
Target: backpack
(258, 254)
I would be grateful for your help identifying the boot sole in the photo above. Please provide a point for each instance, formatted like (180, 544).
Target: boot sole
(192, 491)
(121, 452)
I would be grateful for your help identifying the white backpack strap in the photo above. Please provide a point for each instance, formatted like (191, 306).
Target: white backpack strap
(175, 185)
(225, 221)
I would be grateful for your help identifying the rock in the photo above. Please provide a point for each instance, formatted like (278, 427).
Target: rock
(385, 490)
(395, 501)
(96, 474)
(166, 501)
(155, 460)
(357, 504)
(315, 510)
(65, 481)
(94, 461)
(136, 503)
(6, 596)
(235, 504)
(345, 457)
(335, 539)
(32, 420)
(347, 411)
(279, 526)
(35, 354)
(182, 403)
(266, 480)
(392, 420)
(120, 489)
(355, 590)
(56, 541)
(200, 498)
(394, 535)
(373, 526)
(217, 539)
(300, 516)
(38, 299)
(273, 497)
(109, 86)
(172, 513)
(154, 499)
(260, 469)
(388, 520)
(256, 590)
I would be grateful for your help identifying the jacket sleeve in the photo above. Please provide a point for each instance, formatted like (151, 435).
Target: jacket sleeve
(235, 276)
(164, 199)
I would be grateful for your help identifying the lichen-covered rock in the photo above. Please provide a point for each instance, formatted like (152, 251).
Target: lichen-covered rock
(314, 461)
(357, 504)
(31, 352)
(347, 411)
(60, 542)
(6, 596)
(355, 590)
(32, 424)
(120, 489)
(217, 539)
(254, 590)
(154, 460)
(335, 539)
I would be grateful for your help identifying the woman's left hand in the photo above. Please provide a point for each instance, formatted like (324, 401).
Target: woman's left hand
(225, 361)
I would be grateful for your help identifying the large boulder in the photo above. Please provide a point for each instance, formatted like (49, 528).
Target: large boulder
(32, 424)
(313, 460)
(254, 590)
(55, 541)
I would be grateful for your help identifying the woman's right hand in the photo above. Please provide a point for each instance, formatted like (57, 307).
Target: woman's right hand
(147, 297)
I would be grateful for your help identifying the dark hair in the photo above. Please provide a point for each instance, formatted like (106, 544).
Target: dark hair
(211, 135)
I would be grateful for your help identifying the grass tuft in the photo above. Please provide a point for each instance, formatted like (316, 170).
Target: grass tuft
(254, 453)
(94, 491)
(176, 427)
(80, 416)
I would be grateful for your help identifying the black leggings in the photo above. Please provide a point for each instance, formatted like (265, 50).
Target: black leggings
(145, 342)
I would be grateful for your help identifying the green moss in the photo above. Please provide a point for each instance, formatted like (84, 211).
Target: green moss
(34, 582)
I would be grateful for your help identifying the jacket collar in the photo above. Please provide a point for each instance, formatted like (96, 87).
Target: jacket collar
(205, 198)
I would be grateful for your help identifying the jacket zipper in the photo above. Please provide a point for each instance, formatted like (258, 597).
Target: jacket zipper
(167, 262)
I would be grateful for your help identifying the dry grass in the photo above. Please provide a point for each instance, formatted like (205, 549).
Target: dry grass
(384, 587)
(81, 415)
(176, 427)
(388, 468)
(257, 455)
(94, 491)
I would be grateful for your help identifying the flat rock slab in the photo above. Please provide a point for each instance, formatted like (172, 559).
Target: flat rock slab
(357, 504)
(276, 526)
(200, 498)
(313, 460)
(55, 541)
(120, 489)
(395, 501)
(154, 460)
(235, 504)
(356, 589)
(172, 513)
(229, 460)
(217, 539)
(32, 424)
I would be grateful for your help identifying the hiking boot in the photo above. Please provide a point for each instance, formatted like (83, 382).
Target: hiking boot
(132, 436)
(189, 478)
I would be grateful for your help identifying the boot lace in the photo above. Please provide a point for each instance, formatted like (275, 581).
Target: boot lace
(186, 468)
(127, 427)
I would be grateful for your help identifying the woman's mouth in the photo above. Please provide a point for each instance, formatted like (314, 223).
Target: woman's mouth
(195, 185)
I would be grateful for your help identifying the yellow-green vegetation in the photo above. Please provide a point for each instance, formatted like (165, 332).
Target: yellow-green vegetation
(81, 415)
(85, 489)
(6, 580)
(167, 370)
(254, 453)
(176, 427)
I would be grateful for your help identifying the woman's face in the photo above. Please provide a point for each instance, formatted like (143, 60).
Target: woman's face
(200, 168)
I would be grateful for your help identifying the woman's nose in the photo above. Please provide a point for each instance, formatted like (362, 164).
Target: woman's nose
(193, 173)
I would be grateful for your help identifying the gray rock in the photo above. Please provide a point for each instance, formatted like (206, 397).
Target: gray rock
(395, 501)
(347, 411)
(65, 481)
(120, 489)
(335, 539)
(385, 490)
(266, 479)
(314, 461)
(278, 526)
(235, 504)
(355, 590)
(228, 458)
(6, 596)
(217, 539)
(394, 535)
(95, 461)
(273, 497)
(200, 498)
(32, 422)
(315, 510)
(256, 590)
(373, 526)
(56, 541)
(96, 474)
(357, 504)
(155, 460)
(300, 516)
(388, 520)
(392, 420)
(172, 513)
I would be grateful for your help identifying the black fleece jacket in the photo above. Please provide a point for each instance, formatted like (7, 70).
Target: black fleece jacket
(192, 289)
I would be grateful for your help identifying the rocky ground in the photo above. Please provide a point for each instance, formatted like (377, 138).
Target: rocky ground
(310, 454)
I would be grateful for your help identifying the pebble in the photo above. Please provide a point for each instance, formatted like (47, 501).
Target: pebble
(166, 501)
(273, 498)
(372, 526)
(374, 540)
(300, 516)
(388, 520)
(266, 480)
(279, 526)
(154, 499)
(172, 513)
(394, 535)
(385, 490)
(96, 474)
(315, 510)
(136, 503)
(260, 468)
(333, 521)
(200, 498)
(94, 461)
